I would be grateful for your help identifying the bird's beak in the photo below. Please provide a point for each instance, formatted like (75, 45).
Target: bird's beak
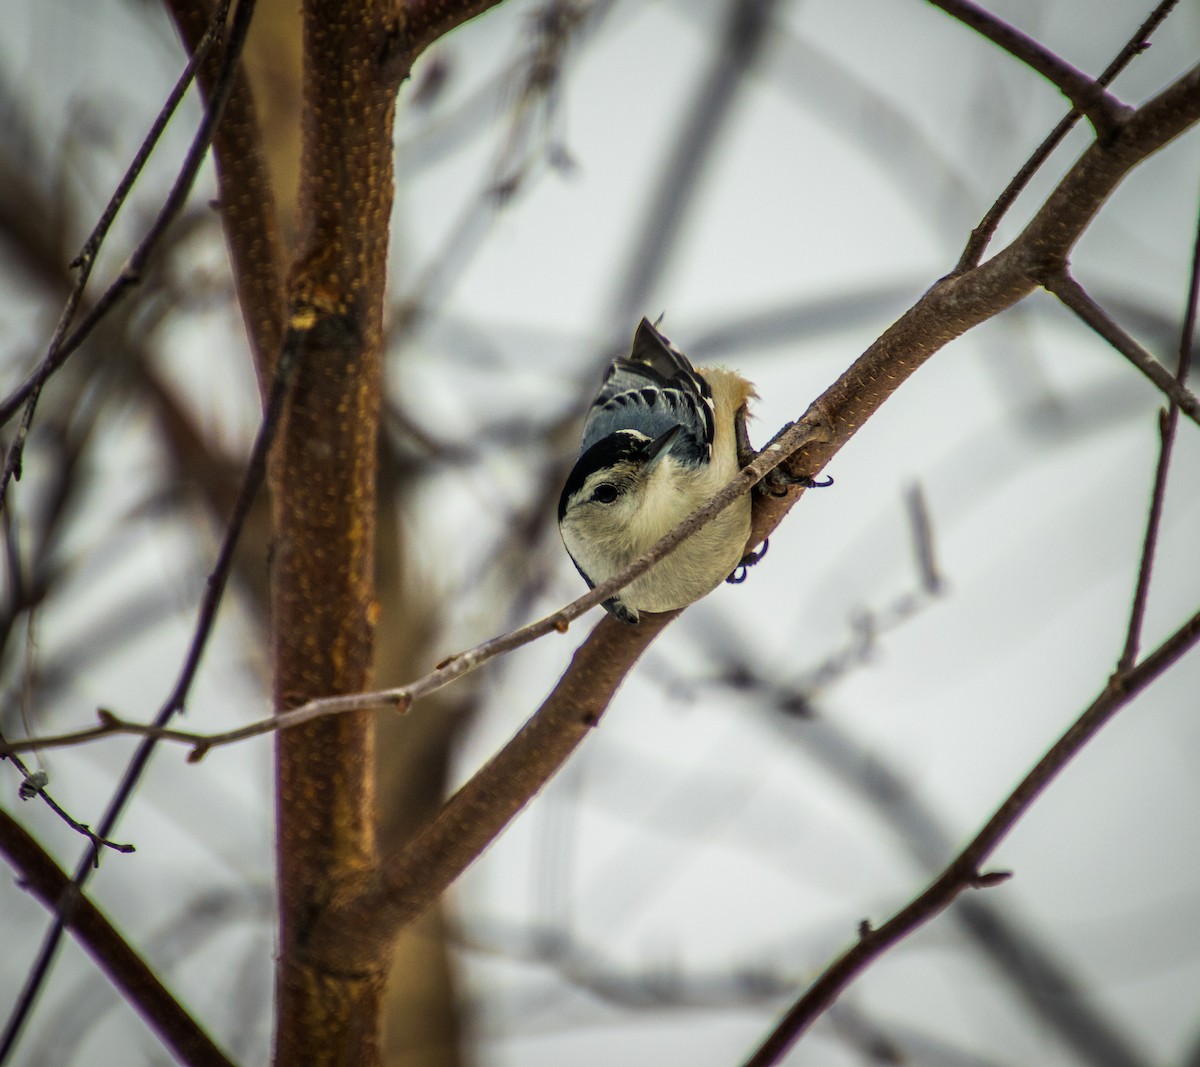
(659, 447)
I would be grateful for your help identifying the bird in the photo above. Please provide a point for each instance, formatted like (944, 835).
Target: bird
(660, 439)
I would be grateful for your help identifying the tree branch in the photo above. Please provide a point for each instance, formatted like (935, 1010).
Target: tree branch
(34, 784)
(964, 871)
(127, 970)
(427, 20)
(982, 235)
(68, 901)
(63, 344)
(1168, 423)
(959, 302)
(246, 199)
(377, 905)
(208, 34)
(791, 710)
(1075, 297)
(1087, 95)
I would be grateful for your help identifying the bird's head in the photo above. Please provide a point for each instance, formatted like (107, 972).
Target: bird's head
(617, 496)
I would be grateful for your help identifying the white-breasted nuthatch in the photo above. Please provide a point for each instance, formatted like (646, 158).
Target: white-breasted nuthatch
(658, 442)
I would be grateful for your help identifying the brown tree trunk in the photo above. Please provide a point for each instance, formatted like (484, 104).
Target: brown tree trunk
(324, 499)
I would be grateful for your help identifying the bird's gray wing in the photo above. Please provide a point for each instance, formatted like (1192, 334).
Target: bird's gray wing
(651, 390)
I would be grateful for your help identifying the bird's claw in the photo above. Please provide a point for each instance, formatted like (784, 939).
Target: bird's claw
(740, 572)
(779, 482)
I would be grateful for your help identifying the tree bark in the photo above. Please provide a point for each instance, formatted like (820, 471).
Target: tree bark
(356, 55)
(323, 489)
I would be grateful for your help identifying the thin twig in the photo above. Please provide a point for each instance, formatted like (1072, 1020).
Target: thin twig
(982, 235)
(1073, 295)
(791, 437)
(255, 472)
(86, 258)
(964, 871)
(867, 625)
(1086, 94)
(33, 783)
(1168, 423)
(61, 346)
(36, 783)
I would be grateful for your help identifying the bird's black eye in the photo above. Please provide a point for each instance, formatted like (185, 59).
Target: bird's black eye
(604, 493)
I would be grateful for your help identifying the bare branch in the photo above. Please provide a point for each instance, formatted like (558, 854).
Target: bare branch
(1035, 975)
(956, 303)
(983, 233)
(965, 871)
(1167, 425)
(127, 970)
(373, 908)
(34, 785)
(1074, 296)
(63, 344)
(1086, 94)
(247, 201)
(430, 19)
(255, 472)
(87, 255)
